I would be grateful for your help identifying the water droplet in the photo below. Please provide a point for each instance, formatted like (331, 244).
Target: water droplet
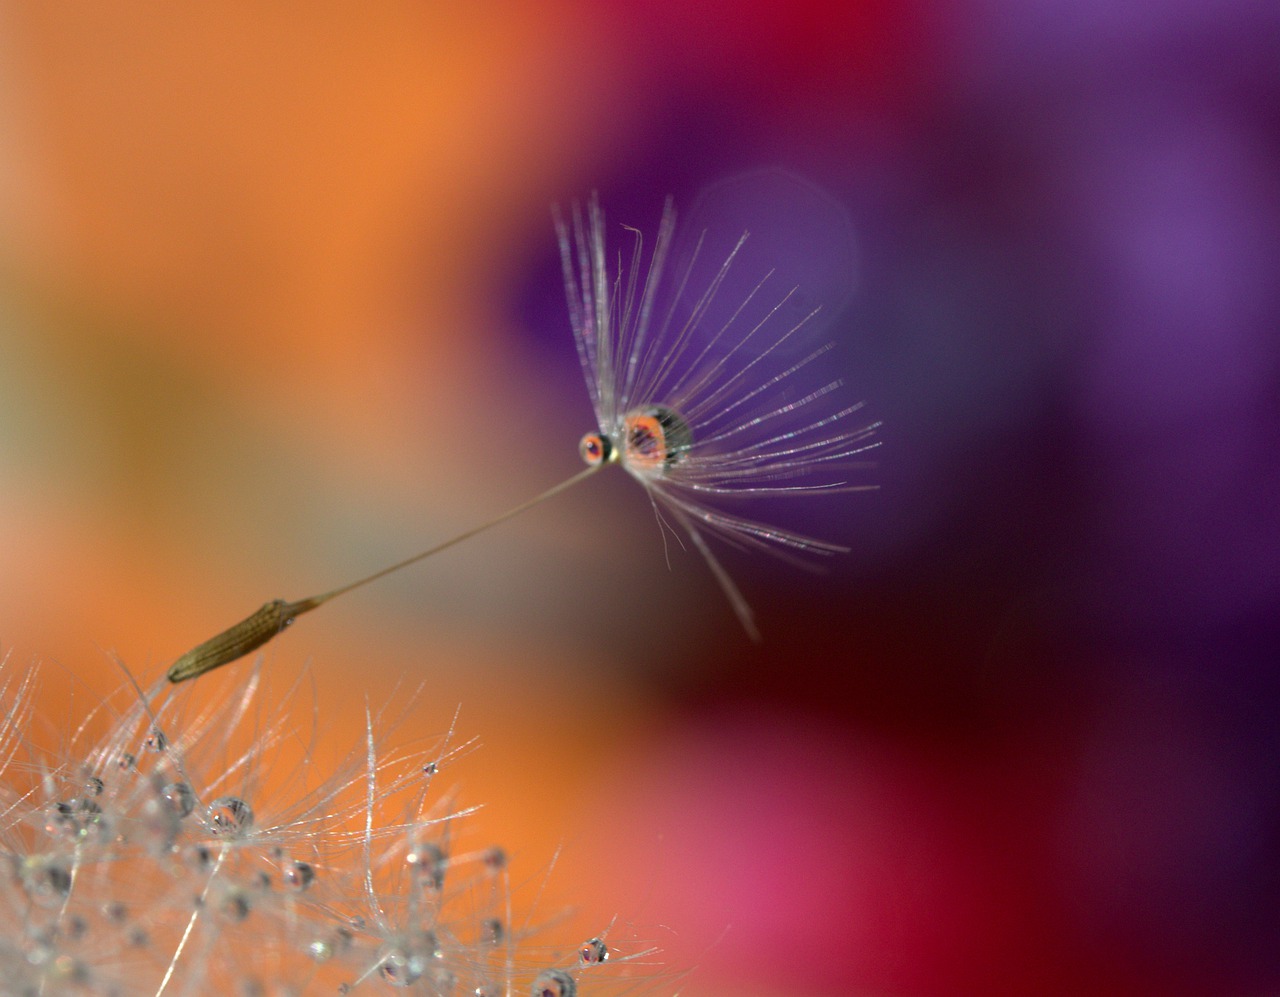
(325, 948)
(47, 881)
(65, 969)
(115, 912)
(126, 761)
(137, 936)
(494, 859)
(78, 818)
(299, 876)
(235, 905)
(430, 769)
(554, 983)
(429, 863)
(93, 786)
(180, 798)
(229, 816)
(75, 927)
(593, 951)
(199, 857)
(156, 741)
(491, 931)
(400, 968)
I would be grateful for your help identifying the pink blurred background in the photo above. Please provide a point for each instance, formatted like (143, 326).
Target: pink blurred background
(280, 303)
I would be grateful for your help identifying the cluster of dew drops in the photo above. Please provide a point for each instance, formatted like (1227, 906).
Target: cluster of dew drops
(153, 861)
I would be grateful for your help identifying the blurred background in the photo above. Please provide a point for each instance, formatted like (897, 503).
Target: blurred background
(280, 302)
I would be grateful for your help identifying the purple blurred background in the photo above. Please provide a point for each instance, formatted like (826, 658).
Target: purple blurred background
(1022, 740)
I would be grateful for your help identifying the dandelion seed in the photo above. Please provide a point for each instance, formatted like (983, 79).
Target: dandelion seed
(701, 389)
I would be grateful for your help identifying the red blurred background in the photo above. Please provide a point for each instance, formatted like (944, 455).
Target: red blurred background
(281, 304)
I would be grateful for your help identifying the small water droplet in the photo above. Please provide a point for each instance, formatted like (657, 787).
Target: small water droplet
(491, 931)
(65, 969)
(430, 769)
(126, 761)
(494, 859)
(156, 740)
(429, 863)
(593, 951)
(46, 880)
(299, 876)
(326, 947)
(115, 912)
(93, 786)
(137, 936)
(180, 798)
(77, 818)
(554, 983)
(200, 857)
(236, 905)
(400, 968)
(229, 816)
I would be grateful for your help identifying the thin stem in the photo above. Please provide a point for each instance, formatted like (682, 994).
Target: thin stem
(317, 600)
(260, 627)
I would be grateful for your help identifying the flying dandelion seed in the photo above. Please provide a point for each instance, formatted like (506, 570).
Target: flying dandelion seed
(705, 379)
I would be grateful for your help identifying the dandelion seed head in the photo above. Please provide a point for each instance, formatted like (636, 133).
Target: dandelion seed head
(199, 868)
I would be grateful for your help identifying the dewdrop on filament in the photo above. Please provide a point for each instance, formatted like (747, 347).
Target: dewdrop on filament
(704, 376)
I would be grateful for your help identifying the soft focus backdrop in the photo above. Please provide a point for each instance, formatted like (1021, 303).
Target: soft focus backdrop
(280, 302)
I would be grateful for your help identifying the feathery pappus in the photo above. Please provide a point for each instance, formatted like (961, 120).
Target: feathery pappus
(710, 391)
